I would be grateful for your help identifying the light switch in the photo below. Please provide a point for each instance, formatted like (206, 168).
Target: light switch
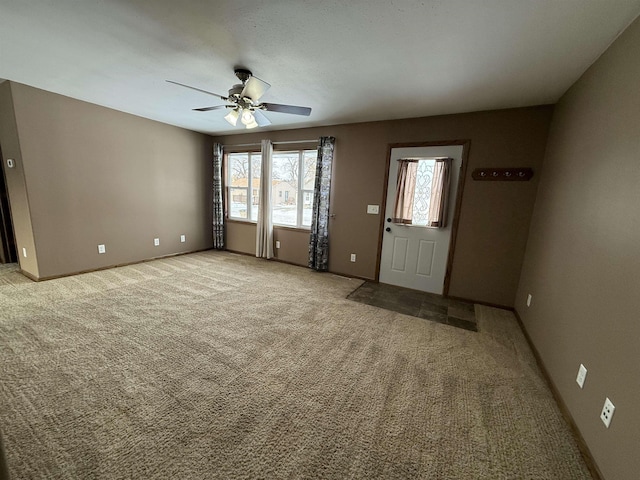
(373, 209)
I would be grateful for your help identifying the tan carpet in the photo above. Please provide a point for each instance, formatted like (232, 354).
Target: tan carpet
(215, 365)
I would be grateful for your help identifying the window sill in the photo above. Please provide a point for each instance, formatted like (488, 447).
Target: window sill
(237, 220)
(275, 227)
(292, 229)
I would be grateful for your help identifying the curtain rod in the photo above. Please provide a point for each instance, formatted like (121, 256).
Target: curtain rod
(275, 143)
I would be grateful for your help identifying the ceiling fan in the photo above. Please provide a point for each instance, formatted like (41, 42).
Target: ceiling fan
(243, 101)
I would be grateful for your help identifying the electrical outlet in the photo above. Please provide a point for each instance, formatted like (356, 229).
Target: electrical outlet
(529, 298)
(156, 242)
(183, 238)
(102, 249)
(607, 412)
(582, 374)
(277, 243)
(353, 257)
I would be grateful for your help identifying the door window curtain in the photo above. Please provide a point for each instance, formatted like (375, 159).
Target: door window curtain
(319, 238)
(264, 231)
(218, 209)
(405, 191)
(440, 187)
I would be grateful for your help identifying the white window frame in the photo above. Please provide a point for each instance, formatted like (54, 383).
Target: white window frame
(300, 190)
(300, 194)
(248, 189)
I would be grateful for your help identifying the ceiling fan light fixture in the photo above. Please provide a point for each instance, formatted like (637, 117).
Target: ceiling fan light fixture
(232, 117)
(253, 124)
(247, 117)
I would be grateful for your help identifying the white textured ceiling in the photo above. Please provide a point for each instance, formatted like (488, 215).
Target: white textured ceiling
(350, 60)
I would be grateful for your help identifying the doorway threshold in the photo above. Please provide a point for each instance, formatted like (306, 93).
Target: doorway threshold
(427, 306)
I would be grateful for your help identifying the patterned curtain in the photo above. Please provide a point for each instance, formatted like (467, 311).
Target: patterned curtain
(319, 240)
(405, 191)
(264, 231)
(440, 187)
(218, 210)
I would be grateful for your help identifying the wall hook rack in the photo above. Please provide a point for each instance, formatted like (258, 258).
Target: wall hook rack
(502, 174)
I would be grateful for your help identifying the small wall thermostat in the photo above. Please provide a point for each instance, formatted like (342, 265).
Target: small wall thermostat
(11, 163)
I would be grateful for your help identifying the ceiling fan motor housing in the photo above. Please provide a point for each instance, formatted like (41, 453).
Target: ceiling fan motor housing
(235, 91)
(243, 74)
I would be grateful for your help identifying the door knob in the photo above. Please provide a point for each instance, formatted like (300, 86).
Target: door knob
(388, 229)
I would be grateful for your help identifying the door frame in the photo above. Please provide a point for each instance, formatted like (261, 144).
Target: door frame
(466, 144)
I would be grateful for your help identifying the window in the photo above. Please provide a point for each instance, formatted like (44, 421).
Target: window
(293, 175)
(422, 195)
(242, 201)
(293, 180)
(422, 192)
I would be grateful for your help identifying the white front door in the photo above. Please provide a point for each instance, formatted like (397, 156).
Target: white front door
(416, 256)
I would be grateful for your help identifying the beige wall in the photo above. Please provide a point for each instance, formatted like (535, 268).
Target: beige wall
(97, 176)
(494, 218)
(294, 244)
(582, 264)
(18, 198)
(241, 237)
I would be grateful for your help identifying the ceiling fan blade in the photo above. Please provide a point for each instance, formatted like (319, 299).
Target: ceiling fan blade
(261, 120)
(254, 88)
(197, 89)
(275, 107)
(208, 109)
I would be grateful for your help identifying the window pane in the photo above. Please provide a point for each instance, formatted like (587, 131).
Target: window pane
(238, 202)
(309, 161)
(422, 197)
(256, 167)
(238, 183)
(307, 207)
(310, 158)
(284, 196)
(238, 169)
